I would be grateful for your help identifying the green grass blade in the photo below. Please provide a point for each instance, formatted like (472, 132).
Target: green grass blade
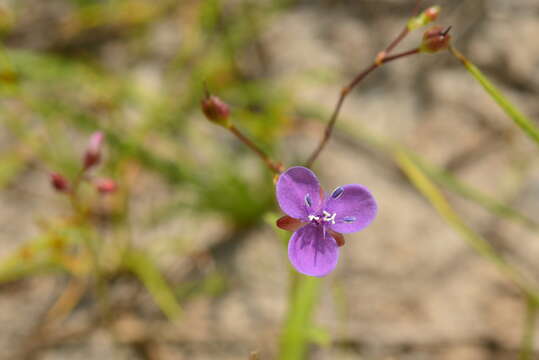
(528, 335)
(444, 209)
(146, 270)
(442, 177)
(520, 119)
(450, 182)
(295, 337)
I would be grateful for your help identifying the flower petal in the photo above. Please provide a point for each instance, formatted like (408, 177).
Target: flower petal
(312, 251)
(298, 192)
(354, 207)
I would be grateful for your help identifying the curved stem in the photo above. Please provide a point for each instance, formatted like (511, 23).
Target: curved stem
(344, 93)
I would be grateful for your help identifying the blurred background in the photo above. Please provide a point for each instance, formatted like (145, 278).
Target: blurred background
(189, 264)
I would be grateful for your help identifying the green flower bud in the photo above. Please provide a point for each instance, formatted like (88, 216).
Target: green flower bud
(425, 18)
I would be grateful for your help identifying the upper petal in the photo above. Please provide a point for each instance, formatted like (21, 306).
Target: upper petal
(354, 208)
(313, 251)
(298, 192)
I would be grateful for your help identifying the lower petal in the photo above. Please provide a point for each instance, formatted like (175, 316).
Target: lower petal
(313, 251)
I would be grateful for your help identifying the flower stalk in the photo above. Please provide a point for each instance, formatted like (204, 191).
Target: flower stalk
(218, 112)
(277, 168)
(92, 157)
(379, 61)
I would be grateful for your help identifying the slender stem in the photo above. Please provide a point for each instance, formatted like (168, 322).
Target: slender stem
(344, 93)
(405, 31)
(73, 192)
(382, 58)
(526, 349)
(274, 167)
(383, 54)
(81, 214)
(416, 8)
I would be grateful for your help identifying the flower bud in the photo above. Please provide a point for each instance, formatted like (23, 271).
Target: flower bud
(59, 182)
(432, 13)
(106, 186)
(435, 39)
(425, 18)
(216, 110)
(92, 156)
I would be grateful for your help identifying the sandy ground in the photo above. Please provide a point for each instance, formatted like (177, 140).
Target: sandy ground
(406, 288)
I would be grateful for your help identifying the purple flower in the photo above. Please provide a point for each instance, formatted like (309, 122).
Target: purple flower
(317, 220)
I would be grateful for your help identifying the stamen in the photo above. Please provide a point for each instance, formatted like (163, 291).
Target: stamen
(337, 193)
(329, 217)
(313, 217)
(308, 200)
(349, 219)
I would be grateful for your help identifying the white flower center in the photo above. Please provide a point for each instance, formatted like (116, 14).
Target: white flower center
(329, 217)
(326, 218)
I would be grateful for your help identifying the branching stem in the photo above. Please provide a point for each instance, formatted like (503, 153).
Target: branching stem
(380, 60)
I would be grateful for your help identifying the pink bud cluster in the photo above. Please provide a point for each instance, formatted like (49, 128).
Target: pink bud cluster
(92, 157)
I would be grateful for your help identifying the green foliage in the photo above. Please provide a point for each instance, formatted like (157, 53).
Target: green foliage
(144, 267)
(478, 243)
(519, 118)
(298, 330)
(55, 98)
(52, 99)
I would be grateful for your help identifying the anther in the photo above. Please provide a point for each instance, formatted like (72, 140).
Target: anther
(337, 193)
(308, 200)
(349, 219)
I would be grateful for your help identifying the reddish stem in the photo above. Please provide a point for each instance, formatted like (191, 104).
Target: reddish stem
(344, 93)
(382, 58)
(274, 167)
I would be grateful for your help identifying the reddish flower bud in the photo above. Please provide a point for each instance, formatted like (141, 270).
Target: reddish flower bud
(92, 156)
(435, 39)
(106, 186)
(216, 110)
(59, 182)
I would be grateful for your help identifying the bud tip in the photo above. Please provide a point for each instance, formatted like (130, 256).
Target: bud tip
(106, 186)
(432, 13)
(92, 156)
